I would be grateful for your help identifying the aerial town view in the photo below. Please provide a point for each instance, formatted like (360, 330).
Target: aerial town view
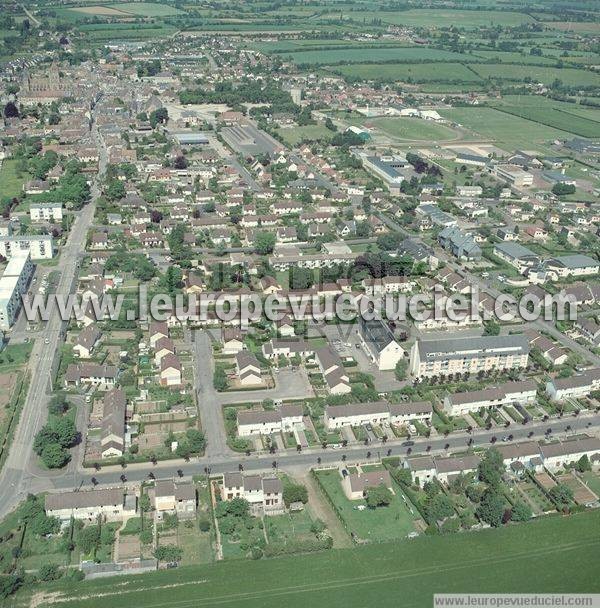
(299, 303)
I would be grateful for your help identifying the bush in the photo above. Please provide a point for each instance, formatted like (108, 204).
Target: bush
(168, 553)
(294, 492)
(204, 525)
(49, 572)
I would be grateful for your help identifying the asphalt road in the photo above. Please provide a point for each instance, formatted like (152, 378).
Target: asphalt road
(454, 443)
(21, 473)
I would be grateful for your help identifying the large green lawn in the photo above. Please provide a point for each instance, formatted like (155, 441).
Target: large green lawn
(552, 555)
(413, 129)
(11, 180)
(294, 135)
(381, 524)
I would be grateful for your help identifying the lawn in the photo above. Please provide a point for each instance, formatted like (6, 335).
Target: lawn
(11, 180)
(415, 72)
(293, 136)
(551, 555)
(289, 527)
(383, 523)
(505, 129)
(14, 356)
(592, 480)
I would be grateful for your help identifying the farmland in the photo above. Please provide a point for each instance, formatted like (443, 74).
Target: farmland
(557, 118)
(410, 72)
(508, 130)
(366, 55)
(550, 555)
(546, 75)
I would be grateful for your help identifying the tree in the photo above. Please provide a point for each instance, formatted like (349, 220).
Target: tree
(49, 572)
(561, 189)
(379, 496)
(9, 584)
(521, 512)
(220, 379)
(583, 464)
(294, 492)
(401, 369)
(159, 116)
(491, 468)
(491, 328)
(438, 508)
(88, 539)
(145, 504)
(168, 553)
(42, 525)
(54, 456)
(561, 494)
(115, 190)
(491, 508)
(300, 278)
(58, 404)
(11, 110)
(264, 243)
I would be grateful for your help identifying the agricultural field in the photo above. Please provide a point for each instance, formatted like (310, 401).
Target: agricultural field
(366, 55)
(409, 72)
(148, 9)
(508, 131)
(554, 117)
(551, 555)
(427, 17)
(546, 75)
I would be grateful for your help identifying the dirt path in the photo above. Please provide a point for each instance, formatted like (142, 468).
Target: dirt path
(323, 511)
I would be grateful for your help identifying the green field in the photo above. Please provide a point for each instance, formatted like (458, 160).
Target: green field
(293, 136)
(507, 130)
(551, 555)
(11, 181)
(383, 523)
(557, 118)
(147, 9)
(365, 55)
(412, 129)
(433, 17)
(415, 72)
(546, 75)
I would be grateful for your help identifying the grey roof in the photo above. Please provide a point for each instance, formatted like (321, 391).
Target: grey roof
(515, 251)
(457, 464)
(440, 349)
(371, 479)
(577, 260)
(86, 499)
(376, 333)
(272, 485)
(572, 446)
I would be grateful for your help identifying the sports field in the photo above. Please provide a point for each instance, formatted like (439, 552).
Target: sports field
(552, 555)
(413, 129)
